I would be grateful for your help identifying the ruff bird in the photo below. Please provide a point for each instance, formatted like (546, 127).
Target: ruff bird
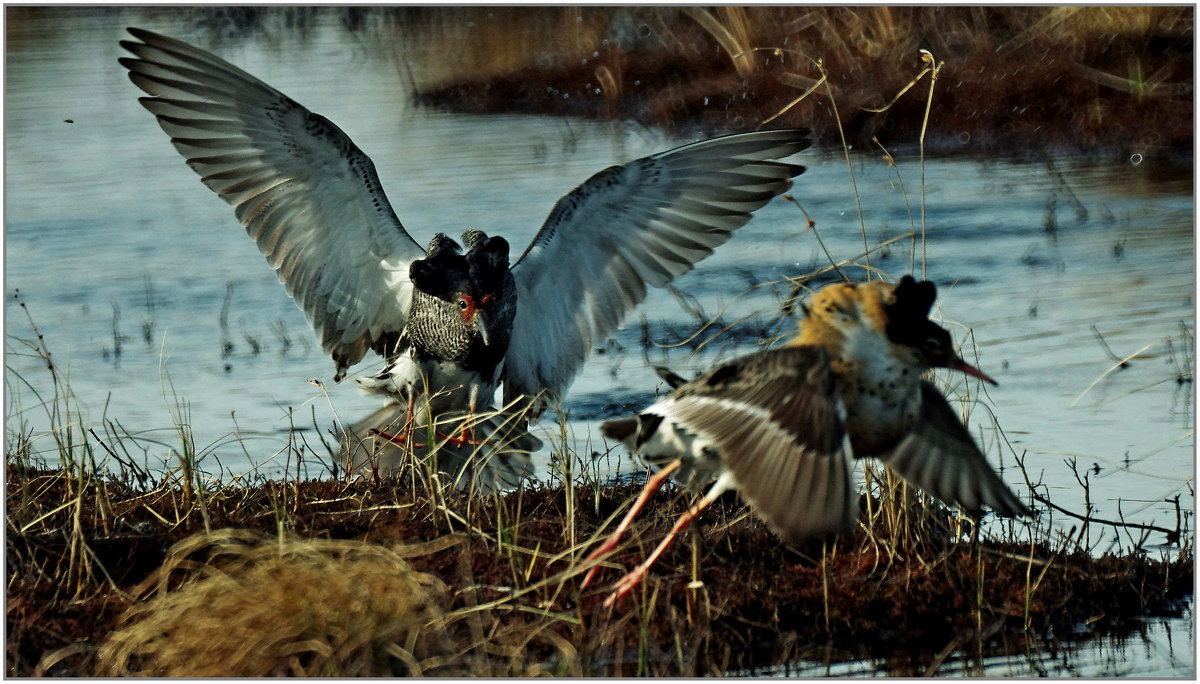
(458, 327)
(456, 335)
(783, 426)
(311, 200)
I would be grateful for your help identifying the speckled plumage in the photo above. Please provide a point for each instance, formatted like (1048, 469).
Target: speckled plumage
(436, 329)
(449, 350)
(783, 426)
(449, 360)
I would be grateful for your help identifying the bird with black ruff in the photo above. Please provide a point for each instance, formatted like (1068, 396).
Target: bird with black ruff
(312, 201)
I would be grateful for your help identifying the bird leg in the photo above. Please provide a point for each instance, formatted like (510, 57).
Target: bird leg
(628, 582)
(652, 485)
(468, 426)
(405, 436)
(410, 416)
(466, 436)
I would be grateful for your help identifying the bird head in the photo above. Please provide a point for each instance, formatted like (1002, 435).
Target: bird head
(850, 318)
(487, 263)
(471, 284)
(908, 326)
(442, 244)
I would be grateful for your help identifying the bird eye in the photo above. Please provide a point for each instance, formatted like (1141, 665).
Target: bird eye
(932, 344)
(462, 305)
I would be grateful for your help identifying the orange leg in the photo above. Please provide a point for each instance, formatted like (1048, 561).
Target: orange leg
(410, 416)
(400, 439)
(466, 436)
(468, 428)
(405, 436)
(628, 582)
(652, 485)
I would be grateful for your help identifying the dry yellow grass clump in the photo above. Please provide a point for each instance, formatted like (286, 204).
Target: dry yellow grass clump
(236, 603)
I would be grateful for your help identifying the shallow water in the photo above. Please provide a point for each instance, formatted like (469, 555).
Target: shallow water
(1155, 648)
(125, 261)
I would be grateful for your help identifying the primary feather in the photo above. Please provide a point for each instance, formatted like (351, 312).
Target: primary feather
(312, 201)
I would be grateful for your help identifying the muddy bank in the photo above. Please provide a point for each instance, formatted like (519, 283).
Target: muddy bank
(503, 574)
(1103, 82)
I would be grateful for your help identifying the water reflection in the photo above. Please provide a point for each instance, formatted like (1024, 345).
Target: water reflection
(1152, 648)
(146, 277)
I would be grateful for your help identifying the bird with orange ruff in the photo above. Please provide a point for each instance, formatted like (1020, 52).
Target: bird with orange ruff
(783, 426)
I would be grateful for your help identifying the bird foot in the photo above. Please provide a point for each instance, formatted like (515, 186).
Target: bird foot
(625, 585)
(464, 439)
(401, 440)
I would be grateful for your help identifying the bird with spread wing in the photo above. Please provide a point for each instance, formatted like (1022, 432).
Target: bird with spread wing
(452, 326)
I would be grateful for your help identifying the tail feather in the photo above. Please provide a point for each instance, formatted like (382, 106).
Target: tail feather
(501, 462)
(621, 429)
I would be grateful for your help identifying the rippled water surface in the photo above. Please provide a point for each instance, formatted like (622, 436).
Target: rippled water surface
(1052, 272)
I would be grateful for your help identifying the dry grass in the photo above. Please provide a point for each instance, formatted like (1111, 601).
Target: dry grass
(116, 571)
(362, 579)
(254, 606)
(1015, 78)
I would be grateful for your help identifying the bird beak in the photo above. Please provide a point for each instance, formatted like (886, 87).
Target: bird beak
(480, 321)
(960, 365)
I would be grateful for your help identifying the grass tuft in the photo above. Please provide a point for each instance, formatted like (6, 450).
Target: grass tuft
(238, 603)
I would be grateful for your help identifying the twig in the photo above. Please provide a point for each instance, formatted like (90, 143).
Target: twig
(813, 225)
(936, 69)
(1172, 535)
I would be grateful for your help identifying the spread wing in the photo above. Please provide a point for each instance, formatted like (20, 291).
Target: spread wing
(940, 457)
(627, 227)
(306, 194)
(778, 423)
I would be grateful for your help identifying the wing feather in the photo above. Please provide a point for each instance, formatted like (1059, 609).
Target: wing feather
(308, 196)
(778, 423)
(626, 228)
(941, 457)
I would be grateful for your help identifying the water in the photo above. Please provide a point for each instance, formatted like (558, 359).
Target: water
(1155, 648)
(113, 243)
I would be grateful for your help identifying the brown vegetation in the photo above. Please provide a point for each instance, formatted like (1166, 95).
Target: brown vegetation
(1022, 80)
(114, 571)
(334, 579)
(260, 606)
